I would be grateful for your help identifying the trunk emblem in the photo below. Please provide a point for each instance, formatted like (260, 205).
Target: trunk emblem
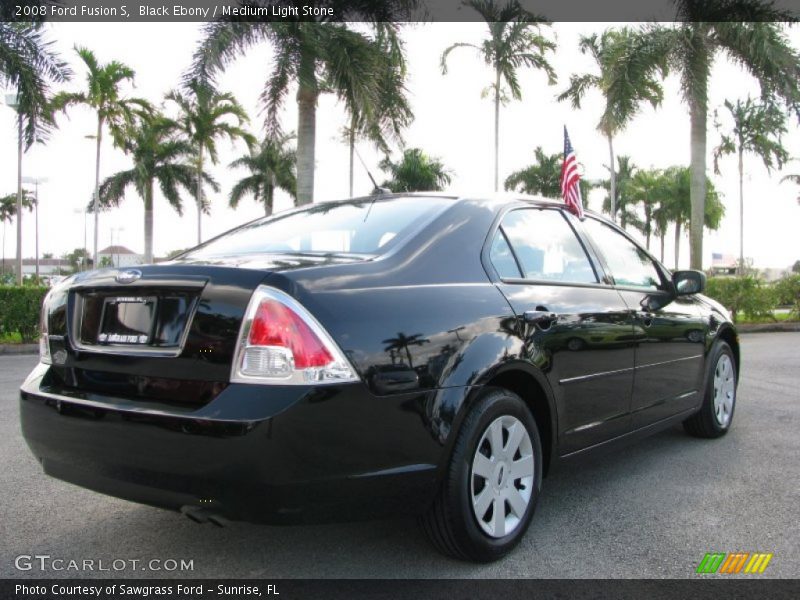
(128, 276)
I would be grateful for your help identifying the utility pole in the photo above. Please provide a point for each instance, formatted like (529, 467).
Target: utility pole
(12, 101)
(36, 181)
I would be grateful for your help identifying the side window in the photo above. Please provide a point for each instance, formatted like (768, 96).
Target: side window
(546, 246)
(629, 264)
(502, 257)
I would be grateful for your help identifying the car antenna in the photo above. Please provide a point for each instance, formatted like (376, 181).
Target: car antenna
(377, 191)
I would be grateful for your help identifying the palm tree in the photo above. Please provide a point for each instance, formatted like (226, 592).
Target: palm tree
(624, 103)
(678, 204)
(748, 31)
(415, 172)
(625, 204)
(321, 56)
(542, 178)
(103, 95)
(385, 122)
(28, 64)
(8, 210)
(514, 41)
(404, 342)
(646, 188)
(757, 129)
(207, 115)
(271, 166)
(160, 157)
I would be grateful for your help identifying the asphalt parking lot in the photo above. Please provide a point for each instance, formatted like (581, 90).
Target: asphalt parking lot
(651, 510)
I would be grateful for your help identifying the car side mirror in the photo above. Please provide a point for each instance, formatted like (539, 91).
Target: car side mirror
(688, 282)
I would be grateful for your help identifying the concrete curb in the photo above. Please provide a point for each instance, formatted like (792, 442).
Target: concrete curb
(768, 327)
(19, 349)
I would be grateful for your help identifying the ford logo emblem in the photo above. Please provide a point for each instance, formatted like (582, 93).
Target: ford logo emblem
(128, 276)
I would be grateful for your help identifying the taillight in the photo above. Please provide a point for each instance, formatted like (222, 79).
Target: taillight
(44, 338)
(281, 342)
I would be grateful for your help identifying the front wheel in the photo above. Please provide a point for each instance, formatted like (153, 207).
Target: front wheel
(715, 416)
(492, 482)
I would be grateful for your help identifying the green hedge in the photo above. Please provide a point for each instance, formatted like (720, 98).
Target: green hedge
(19, 310)
(744, 295)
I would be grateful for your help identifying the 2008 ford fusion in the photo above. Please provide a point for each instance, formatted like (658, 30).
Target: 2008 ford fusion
(392, 354)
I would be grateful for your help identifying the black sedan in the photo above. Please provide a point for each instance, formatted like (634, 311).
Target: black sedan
(415, 354)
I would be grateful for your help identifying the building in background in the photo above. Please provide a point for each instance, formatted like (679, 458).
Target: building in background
(770, 274)
(119, 256)
(723, 264)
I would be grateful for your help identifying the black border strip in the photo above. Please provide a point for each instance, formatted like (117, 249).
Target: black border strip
(703, 587)
(381, 10)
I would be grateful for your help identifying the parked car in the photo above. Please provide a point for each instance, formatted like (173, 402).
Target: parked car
(411, 353)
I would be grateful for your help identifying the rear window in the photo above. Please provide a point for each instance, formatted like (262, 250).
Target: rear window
(355, 227)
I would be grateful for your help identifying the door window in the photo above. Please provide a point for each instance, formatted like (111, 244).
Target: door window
(630, 265)
(546, 247)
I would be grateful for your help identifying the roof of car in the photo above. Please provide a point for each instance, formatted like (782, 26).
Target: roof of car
(491, 198)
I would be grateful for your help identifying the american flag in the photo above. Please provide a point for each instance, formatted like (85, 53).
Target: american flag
(570, 189)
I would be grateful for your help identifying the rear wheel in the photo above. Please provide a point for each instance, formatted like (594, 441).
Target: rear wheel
(715, 416)
(492, 483)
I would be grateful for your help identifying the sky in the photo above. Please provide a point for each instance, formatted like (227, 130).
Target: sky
(452, 122)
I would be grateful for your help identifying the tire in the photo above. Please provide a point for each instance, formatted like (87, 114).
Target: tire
(452, 523)
(715, 416)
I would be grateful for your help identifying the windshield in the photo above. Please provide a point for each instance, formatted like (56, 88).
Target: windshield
(355, 227)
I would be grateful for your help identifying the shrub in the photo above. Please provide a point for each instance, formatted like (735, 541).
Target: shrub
(747, 295)
(787, 291)
(19, 310)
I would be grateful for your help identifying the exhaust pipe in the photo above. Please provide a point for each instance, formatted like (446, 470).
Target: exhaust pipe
(202, 515)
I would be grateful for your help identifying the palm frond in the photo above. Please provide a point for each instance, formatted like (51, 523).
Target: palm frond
(29, 65)
(222, 41)
(764, 50)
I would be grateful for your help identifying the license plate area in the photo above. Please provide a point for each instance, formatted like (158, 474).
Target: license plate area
(128, 320)
(142, 322)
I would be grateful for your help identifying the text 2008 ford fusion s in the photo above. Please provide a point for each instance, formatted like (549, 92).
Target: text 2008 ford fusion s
(392, 354)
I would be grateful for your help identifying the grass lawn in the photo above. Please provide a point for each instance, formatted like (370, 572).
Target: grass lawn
(778, 317)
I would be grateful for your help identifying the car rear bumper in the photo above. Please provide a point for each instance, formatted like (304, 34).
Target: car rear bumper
(283, 454)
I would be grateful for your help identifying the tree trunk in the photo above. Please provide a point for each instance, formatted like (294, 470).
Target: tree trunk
(199, 194)
(497, 130)
(613, 180)
(663, 235)
(741, 212)
(697, 192)
(352, 152)
(96, 201)
(306, 133)
(648, 224)
(19, 197)
(148, 222)
(269, 193)
(677, 242)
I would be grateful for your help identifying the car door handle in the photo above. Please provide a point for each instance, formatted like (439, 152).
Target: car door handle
(542, 318)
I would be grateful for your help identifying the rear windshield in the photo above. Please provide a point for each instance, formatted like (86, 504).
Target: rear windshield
(355, 227)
